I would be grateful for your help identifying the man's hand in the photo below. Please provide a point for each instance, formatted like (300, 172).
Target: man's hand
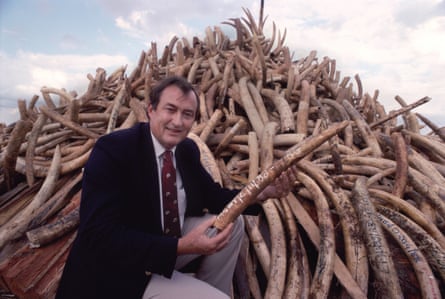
(280, 187)
(198, 242)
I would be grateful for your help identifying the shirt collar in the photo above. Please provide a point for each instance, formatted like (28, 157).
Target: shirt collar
(159, 149)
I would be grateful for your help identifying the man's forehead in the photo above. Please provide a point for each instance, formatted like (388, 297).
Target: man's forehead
(179, 95)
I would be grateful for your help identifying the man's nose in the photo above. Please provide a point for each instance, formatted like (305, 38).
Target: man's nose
(177, 118)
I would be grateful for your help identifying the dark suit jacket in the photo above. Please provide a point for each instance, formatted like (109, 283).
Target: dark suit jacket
(120, 236)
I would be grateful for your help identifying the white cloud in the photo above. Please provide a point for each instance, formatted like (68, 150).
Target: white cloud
(144, 26)
(160, 21)
(123, 24)
(395, 46)
(428, 38)
(24, 74)
(377, 40)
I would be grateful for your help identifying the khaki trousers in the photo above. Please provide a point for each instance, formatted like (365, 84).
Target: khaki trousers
(213, 278)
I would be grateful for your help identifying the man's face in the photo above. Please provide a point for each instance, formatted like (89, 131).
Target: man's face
(173, 118)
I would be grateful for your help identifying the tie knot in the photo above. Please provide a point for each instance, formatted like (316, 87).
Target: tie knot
(168, 155)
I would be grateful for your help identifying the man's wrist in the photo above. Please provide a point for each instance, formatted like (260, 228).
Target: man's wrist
(182, 248)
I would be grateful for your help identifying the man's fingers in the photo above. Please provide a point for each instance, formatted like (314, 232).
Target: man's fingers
(223, 235)
(207, 223)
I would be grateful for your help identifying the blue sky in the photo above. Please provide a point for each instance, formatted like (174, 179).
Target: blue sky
(59, 27)
(397, 47)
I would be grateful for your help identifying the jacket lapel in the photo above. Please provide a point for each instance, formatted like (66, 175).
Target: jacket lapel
(150, 173)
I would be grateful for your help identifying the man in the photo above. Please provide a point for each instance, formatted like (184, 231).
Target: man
(123, 248)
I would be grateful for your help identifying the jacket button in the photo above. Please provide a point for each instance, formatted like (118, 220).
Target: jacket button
(148, 273)
(205, 211)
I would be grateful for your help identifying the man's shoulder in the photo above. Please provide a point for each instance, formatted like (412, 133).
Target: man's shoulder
(126, 140)
(135, 131)
(188, 144)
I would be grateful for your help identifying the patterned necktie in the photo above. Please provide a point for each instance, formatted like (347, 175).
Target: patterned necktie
(172, 226)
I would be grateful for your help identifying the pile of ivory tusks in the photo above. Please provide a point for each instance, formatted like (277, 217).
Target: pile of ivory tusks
(368, 181)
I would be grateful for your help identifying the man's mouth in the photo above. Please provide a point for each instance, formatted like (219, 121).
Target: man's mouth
(174, 131)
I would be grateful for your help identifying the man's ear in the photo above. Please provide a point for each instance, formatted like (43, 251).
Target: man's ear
(149, 109)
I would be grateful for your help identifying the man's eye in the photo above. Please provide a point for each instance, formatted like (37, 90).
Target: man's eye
(188, 114)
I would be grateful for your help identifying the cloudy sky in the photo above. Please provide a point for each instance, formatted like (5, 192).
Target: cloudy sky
(397, 47)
